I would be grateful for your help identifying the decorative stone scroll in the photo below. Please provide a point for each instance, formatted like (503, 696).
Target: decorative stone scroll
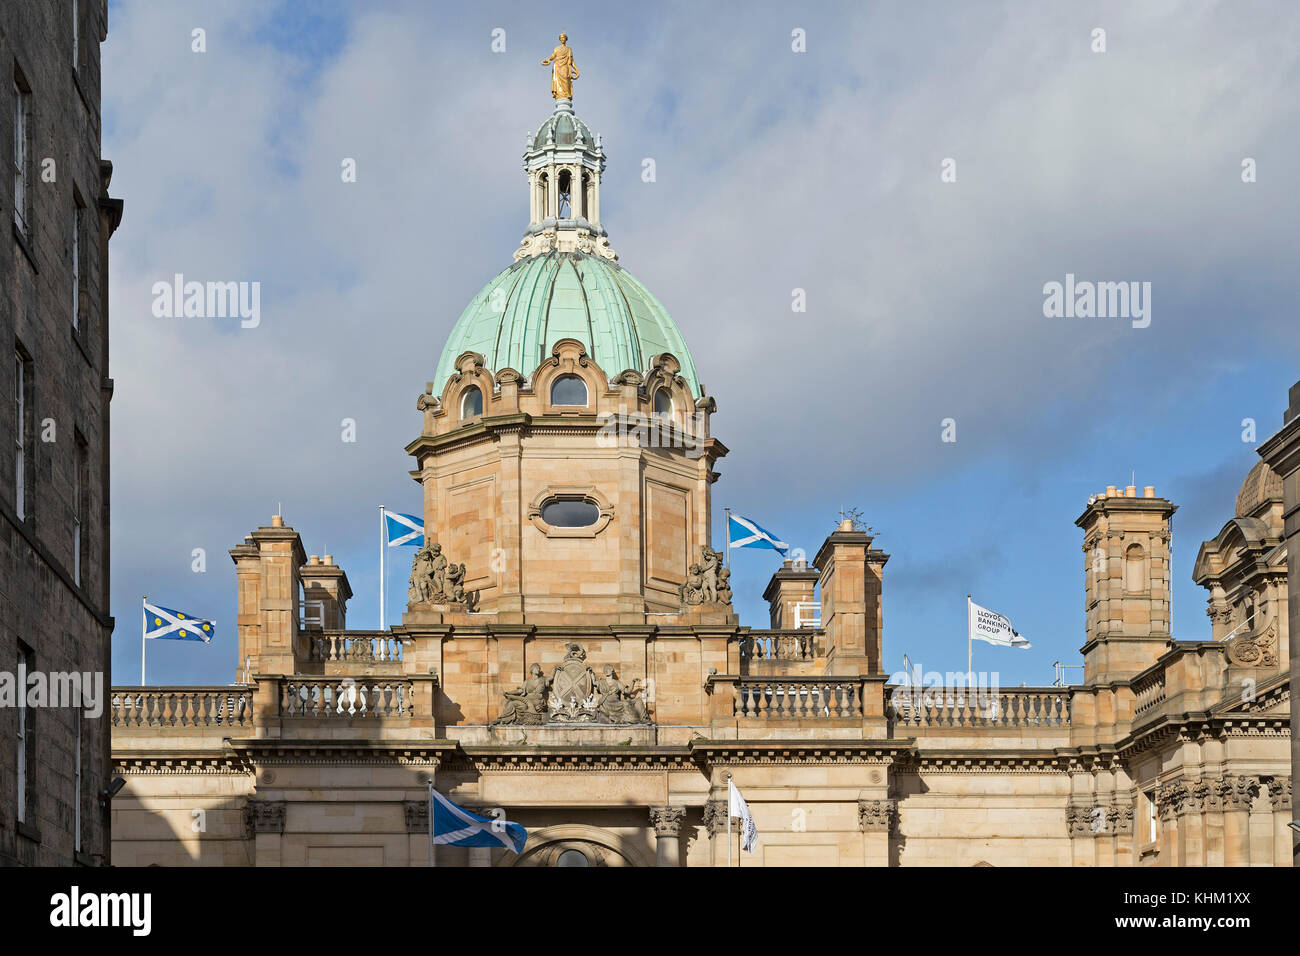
(434, 580)
(573, 694)
(708, 582)
(1254, 649)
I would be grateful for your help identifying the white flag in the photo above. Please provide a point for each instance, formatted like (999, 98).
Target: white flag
(993, 628)
(739, 808)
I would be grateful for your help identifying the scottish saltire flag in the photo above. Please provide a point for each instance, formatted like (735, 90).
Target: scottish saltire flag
(746, 534)
(163, 623)
(403, 529)
(458, 827)
(992, 628)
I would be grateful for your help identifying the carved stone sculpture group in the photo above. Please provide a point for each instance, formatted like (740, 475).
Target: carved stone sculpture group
(573, 694)
(708, 582)
(434, 580)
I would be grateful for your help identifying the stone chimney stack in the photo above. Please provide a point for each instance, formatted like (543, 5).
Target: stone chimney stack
(1126, 544)
(851, 580)
(794, 583)
(325, 582)
(266, 568)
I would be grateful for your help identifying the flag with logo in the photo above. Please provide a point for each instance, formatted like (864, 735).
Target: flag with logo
(744, 533)
(456, 826)
(993, 628)
(162, 623)
(748, 831)
(403, 530)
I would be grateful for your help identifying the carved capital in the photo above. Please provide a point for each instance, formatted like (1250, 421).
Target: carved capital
(1120, 818)
(877, 815)
(417, 815)
(264, 817)
(1279, 793)
(667, 821)
(715, 816)
(1238, 792)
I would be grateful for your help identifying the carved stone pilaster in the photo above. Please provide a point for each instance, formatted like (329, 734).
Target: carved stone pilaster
(1238, 792)
(877, 815)
(1279, 793)
(667, 821)
(264, 817)
(715, 816)
(417, 815)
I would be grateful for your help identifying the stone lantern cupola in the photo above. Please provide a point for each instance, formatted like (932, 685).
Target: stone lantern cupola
(564, 161)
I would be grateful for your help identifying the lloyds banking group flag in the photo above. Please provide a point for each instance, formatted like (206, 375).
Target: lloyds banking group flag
(162, 623)
(993, 628)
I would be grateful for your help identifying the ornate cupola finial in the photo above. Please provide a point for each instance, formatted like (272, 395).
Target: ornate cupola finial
(564, 162)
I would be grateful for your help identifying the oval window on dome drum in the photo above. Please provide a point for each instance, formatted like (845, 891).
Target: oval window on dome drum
(663, 402)
(570, 513)
(569, 390)
(471, 402)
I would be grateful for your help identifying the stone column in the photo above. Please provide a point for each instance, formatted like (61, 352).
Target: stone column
(1238, 794)
(264, 825)
(876, 820)
(715, 823)
(1279, 795)
(667, 822)
(1119, 818)
(1168, 799)
(1282, 453)
(1191, 824)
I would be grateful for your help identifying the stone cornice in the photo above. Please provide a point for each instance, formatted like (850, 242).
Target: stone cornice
(192, 763)
(409, 753)
(732, 752)
(998, 761)
(613, 758)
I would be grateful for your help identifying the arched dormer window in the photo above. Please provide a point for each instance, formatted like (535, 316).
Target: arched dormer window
(569, 390)
(663, 402)
(1135, 569)
(471, 402)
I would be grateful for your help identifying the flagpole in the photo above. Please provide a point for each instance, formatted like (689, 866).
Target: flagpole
(143, 601)
(969, 666)
(728, 819)
(382, 595)
(431, 818)
(727, 563)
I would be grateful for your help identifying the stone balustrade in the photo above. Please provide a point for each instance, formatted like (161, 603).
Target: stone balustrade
(798, 698)
(376, 647)
(181, 706)
(347, 698)
(1030, 707)
(1149, 691)
(779, 645)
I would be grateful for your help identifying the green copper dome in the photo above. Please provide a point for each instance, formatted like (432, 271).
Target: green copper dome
(518, 316)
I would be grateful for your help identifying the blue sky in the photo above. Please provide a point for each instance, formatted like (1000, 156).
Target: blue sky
(775, 170)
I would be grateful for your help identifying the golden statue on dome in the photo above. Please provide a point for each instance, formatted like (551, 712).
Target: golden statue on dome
(563, 70)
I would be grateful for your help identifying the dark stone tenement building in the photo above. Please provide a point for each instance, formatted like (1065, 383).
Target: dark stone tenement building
(54, 396)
